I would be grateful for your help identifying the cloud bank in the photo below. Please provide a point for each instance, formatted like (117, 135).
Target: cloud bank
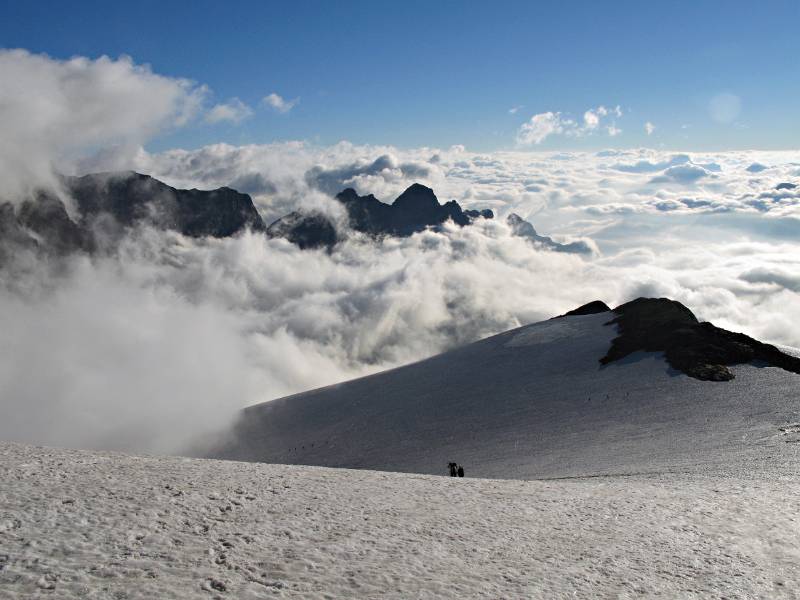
(163, 339)
(50, 110)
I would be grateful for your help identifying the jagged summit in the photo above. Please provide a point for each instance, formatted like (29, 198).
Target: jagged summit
(416, 209)
(131, 197)
(416, 198)
(112, 202)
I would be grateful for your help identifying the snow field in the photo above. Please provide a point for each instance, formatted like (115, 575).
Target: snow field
(77, 524)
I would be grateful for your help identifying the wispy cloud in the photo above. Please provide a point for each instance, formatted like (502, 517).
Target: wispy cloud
(278, 103)
(234, 111)
(649, 128)
(515, 109)
(544, 125)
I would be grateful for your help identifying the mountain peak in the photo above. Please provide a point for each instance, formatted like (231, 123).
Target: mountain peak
(590, 308)
(417, 198)
(700, 350)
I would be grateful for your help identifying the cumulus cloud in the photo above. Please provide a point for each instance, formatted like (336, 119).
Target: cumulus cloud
(544, 125)
(166, 338)
(591, 119)
(540, 127)
(234, 111)
(278, 103)
(53, 110)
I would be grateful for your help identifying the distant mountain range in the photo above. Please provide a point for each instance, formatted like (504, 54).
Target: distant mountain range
(643, 387)
(414, 210)
(108, 204)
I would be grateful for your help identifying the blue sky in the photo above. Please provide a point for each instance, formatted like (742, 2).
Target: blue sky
(418, 73)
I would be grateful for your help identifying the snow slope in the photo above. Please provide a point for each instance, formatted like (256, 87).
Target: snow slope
(97, 525)
(530, 403)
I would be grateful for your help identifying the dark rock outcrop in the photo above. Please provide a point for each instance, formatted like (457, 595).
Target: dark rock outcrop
(416, 209)
(522, 228)
(699, 350)
(109, 203)
(485, 213)
(46, 217)
(13, 235)
(306, 230)
(132, 198)
(592, 308)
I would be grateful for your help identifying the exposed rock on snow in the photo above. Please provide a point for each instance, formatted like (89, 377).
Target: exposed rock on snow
(700, 350)
(100, 525)
(537, 402)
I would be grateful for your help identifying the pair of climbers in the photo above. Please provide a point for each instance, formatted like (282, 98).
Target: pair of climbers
(456, 470)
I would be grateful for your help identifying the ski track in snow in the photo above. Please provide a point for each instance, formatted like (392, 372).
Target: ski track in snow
(77, 524)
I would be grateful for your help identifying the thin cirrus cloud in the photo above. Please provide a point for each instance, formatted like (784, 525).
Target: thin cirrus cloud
(544, 125)
(233, 111)
(278, 103)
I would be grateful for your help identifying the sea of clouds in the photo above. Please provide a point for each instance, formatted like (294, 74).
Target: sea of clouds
(160, 341)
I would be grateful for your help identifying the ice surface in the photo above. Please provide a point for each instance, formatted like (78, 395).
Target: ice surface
(532, 403)
(97, 525)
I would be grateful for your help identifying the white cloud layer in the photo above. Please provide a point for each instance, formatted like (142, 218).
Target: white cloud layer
(173, 335)
(168, 337)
